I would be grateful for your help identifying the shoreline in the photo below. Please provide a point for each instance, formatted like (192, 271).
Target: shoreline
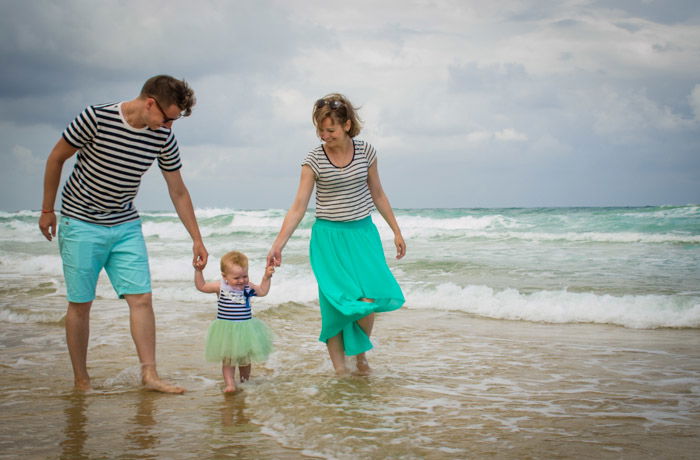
(445, 385)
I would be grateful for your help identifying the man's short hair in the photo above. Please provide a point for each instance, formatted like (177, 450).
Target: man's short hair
(168, 91)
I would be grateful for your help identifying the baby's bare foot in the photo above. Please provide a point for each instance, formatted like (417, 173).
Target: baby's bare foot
(230, 389)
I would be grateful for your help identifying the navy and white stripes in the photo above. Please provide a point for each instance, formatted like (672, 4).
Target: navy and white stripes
(112, 158)
(342, 194)
(234, 305)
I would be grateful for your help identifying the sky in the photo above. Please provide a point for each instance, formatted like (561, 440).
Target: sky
(513, 103)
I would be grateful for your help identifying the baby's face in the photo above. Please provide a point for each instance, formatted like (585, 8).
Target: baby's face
(236, 276)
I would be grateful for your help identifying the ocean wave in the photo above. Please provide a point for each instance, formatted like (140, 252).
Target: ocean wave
(25, 316)
(632, 311)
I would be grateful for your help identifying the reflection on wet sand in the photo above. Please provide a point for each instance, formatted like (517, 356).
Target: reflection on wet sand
(142, 436)
(75, 434)
(233, 410)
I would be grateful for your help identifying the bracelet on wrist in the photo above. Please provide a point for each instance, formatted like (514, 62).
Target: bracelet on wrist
(47, 211)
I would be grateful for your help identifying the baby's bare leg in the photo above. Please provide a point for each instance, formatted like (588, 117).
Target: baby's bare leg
(229, 378)
(244, 372)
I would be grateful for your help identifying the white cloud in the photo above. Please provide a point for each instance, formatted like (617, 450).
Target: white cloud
(450, 81)
(695, 102)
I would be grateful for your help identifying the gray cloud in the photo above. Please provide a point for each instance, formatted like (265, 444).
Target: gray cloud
(469, 104)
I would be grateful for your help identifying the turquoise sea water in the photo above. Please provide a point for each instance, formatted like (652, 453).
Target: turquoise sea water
(634, 267)
(527, 333)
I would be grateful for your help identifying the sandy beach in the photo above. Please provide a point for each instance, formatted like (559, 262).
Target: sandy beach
(445, 385)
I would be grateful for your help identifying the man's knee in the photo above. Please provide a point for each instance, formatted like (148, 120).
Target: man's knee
(139, 301)
(79, 308)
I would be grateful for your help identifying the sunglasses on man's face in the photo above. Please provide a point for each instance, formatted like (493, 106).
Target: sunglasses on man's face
(166, 119)
(332, 104)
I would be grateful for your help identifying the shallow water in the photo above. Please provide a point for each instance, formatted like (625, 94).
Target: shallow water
(456, 387)
(527, 333)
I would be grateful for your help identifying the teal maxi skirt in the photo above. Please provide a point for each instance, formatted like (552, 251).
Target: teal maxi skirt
(348, 261)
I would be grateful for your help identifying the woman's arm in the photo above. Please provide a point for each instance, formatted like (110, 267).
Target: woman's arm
(294, 215)
(381, 202)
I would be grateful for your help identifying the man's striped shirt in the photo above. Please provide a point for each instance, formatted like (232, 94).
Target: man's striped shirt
(342, 194)
(112, 158)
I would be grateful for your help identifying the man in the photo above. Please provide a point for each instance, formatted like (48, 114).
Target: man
(100, 227)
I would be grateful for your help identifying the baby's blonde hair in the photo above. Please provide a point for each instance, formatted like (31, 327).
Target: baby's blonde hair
(233, 258)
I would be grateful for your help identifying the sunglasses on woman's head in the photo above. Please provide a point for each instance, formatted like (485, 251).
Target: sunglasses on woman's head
(332, 104)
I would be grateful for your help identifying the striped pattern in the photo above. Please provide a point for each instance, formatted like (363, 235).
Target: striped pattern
(234, 305)
(342, 194)
(111, 160)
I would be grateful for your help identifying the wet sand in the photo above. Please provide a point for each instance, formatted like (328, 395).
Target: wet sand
(445, 385)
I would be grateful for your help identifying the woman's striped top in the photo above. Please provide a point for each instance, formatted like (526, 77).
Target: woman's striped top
(234, 305)
(112, 158)
(342, 194)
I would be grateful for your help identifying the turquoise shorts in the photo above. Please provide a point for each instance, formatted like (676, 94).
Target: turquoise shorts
(88, 248)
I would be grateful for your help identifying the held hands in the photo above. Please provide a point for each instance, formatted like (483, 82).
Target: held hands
(269, 270)
(200, 256)
(274, 257)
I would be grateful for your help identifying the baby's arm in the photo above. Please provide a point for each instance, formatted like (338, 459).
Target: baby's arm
(264, 287)
(201, 285)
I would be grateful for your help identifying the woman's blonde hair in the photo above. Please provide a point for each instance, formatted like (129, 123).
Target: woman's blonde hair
(233, 258)
(339, 109)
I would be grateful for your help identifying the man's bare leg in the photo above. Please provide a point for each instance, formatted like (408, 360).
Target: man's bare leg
(77, 338)
(337, 353)
(143, 331)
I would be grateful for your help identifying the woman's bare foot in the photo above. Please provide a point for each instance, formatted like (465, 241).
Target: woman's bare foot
(362, 365)
(151, 381)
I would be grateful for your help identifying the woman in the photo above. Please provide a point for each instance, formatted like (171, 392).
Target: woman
(346, 254)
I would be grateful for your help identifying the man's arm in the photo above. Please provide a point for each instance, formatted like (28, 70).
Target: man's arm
(180, 197)
(52, 178)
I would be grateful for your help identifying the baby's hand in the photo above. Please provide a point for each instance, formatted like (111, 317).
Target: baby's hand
(198, 265)
(269, 270)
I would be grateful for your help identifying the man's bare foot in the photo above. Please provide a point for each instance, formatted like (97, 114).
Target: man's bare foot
(151, 381)
(362, 366)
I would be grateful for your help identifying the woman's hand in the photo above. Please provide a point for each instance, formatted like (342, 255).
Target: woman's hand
(400, 246)
(274, 257)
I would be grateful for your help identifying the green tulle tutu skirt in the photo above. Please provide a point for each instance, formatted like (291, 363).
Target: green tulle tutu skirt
(238, 343)
(348, 261)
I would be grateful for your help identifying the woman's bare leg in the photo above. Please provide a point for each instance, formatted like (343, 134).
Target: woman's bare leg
(337, 353)
(367, 324)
